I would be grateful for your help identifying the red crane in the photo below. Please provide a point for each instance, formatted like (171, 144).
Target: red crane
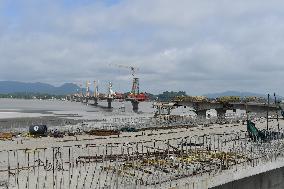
(135, 91)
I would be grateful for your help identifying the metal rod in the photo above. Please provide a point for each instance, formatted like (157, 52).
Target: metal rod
(267, 113)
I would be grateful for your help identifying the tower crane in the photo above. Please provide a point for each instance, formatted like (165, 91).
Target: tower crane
(133, 69)
(96, 89)
(88, 88)
(135, 93)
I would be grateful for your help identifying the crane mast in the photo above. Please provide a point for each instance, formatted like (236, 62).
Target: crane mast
(88, 88)
(135, 90)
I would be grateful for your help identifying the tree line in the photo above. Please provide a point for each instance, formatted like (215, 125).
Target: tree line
(23, 95)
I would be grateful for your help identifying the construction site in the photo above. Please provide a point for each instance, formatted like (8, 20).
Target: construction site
(183, 157)
(135, 95)
(240, 146)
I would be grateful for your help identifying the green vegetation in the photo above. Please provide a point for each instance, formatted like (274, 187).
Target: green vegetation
(166, 96)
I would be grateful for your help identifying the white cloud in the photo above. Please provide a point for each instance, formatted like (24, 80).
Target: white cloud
(197, 46)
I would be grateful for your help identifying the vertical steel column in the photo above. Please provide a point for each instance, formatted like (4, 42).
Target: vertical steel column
(267, 112)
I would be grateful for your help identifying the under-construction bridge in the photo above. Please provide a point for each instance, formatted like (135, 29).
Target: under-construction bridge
(160, 163)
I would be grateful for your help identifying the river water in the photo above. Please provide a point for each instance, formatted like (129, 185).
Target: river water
(12, 108)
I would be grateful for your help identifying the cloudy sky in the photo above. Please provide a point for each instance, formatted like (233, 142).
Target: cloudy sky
(199, 46)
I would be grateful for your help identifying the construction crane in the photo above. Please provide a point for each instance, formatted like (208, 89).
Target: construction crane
(88, 88)
(110, 93)
(96, 90)
(135, 91)
(133, 69)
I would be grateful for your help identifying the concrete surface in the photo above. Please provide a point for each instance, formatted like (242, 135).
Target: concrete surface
(273, 179)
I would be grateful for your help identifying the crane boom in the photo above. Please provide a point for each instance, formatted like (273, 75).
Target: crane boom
(133, 69)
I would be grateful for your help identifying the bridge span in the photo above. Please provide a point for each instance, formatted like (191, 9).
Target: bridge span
(221, 108)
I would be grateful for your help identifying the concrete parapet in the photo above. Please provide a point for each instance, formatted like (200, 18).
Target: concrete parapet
(268, 180)
(201, 114)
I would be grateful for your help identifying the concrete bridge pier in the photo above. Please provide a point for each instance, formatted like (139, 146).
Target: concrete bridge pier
(95, 101)
(221, 113)
(135, 104)
(201, 114)
(169, 110)
(109, 100)
(77, 99)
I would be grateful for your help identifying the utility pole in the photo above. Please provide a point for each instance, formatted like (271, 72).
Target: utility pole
(268, 96)
(246, 105)
(277, 118)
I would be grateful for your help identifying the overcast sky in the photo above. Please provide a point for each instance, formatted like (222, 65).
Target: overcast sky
(199, 46)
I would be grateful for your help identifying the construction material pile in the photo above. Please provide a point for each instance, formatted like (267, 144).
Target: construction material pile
(100, 132)
(254, 99)
(191, 99)
(227, 99)
(6, 136)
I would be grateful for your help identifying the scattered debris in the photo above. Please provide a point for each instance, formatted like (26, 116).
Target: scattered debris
(100, 132)
(6, 136)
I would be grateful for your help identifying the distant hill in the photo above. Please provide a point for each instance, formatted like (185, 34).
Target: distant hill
(21, 87)
(237, 93)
